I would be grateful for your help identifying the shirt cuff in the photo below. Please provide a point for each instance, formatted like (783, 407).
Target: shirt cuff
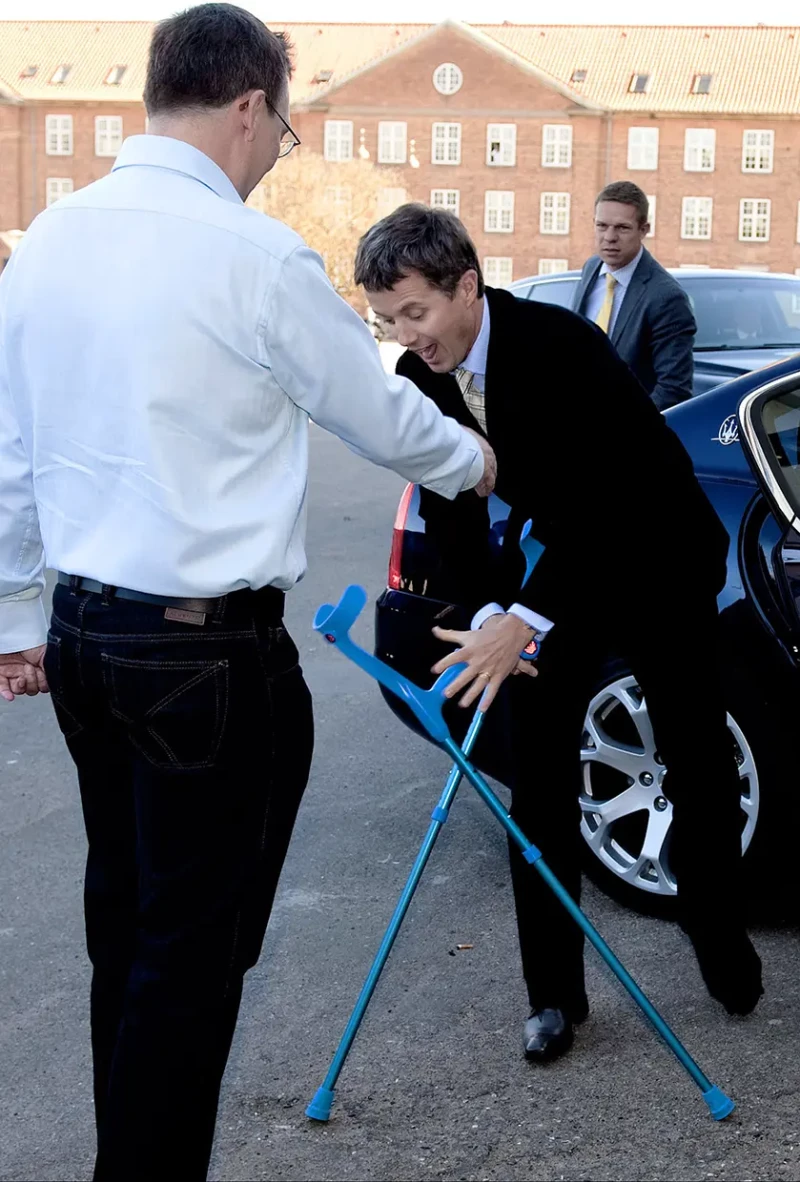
(477, 467)
(23, 624)
(480, 617)
(531, 618)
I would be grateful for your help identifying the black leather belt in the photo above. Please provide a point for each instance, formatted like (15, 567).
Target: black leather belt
(187, 611)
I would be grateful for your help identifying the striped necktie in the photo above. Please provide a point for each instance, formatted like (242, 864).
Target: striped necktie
(476, 403)
(604, 315)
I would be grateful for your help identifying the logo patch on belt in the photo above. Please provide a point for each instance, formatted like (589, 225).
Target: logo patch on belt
(182, 616)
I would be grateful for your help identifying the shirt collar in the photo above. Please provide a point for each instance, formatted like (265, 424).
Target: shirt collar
(624, 275)
(161, 151)
(475, 360)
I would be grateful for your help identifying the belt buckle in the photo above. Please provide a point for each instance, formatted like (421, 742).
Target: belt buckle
(183, 615)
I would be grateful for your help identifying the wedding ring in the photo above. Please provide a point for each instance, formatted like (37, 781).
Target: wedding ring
(483, 673)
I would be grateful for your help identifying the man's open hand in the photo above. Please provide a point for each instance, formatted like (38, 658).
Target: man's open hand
(490, 654)
(485, 485)
(23, 673)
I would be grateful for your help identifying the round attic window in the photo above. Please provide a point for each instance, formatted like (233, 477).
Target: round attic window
(447, 78)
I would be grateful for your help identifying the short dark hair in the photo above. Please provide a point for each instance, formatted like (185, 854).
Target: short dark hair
(210, 55)
(415, 237)
(626, 193)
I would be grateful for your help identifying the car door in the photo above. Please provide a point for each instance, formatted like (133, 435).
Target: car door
(769, 429)
(555, 291)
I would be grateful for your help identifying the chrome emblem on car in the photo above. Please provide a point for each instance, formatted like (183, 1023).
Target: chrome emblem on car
(728, 432)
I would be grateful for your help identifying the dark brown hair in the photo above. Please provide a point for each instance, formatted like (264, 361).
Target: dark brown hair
(415, 237)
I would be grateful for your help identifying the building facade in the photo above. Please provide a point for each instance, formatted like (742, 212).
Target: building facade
(515, 128)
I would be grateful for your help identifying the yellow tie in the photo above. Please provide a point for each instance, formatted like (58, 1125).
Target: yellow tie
(604, 315)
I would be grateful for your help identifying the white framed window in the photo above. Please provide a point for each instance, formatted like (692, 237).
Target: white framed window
(448, 78)
(340, 199)
(498, 216)
(554, 213)
(699, 149)
(338, 139)
(498, 271)
(446, 143)
(553, 266)
(651, 213)
(557, 145)
(107, 135)
(392, 139)
(501, 144)
(758, 149)
(58, 187)
(58, 135)
(798, 221)
(696, 214)
(754, 217)
(642, 148)
(389, 199)
(446, 199)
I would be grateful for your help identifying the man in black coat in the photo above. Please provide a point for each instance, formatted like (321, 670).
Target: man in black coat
(623, 290)
(572, 429)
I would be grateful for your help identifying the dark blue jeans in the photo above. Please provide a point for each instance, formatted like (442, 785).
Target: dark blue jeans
(193, 746)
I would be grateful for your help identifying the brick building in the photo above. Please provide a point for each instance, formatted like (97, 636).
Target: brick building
(515, 127)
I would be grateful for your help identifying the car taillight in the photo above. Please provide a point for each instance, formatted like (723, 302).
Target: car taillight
(396, 555)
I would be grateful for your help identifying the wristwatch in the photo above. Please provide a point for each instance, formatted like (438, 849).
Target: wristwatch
(533, 647)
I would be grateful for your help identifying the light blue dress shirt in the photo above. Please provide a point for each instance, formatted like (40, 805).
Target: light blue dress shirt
(597, 295)
(475, 362)
(162, 347)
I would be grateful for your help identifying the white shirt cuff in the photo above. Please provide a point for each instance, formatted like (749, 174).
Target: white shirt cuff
(480, 617)
(23, 624)
(476, 470)
(531, 618)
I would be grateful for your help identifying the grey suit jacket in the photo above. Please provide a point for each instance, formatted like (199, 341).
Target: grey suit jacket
(654, 330)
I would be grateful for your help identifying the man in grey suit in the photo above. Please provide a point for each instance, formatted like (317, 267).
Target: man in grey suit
(632, 298)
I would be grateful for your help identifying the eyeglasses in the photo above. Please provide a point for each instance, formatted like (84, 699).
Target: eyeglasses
(286, 145)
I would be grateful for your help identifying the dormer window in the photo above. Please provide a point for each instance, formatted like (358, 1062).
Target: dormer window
(579, 75)
(322, 76)
(640, 84)
(115, 75)
(60, 76)
(702, 84)
(29, 72)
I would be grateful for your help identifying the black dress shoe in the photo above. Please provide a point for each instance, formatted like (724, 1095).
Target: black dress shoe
(548, 1034)
(729, 963)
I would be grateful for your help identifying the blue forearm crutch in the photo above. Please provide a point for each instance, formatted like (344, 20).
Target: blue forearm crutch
(335, 624)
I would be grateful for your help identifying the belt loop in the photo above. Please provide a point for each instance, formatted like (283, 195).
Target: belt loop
(108, 591)
(219, 609)
(74, 584)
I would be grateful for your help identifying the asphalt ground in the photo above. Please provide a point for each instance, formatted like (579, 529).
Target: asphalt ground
(436, 1085)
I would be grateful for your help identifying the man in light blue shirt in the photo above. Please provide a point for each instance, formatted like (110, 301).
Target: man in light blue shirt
(162, 348)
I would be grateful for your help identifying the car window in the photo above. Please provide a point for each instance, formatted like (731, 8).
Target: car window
(555, 291)
(770, 422)
(746, 313)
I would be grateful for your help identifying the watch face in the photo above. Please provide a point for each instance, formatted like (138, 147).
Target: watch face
(531, 648)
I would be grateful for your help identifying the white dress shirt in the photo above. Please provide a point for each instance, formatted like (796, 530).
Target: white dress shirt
(596, 297)
(162, 347)
(475, 363)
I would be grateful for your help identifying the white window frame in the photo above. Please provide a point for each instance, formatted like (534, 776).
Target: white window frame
(57, 187)
(338, 140)
(553, 266)
(392, 142)
(58, 135)
(652, 203)
(498, 211)
(557, 145)
(107, 135)
(504, 135)
(697, 215)
(699, 149)
(390, 198)
(451, 82)
(752, 215)
(758, 145)
(446, 136)
(449, 199)
(493, 265)
(555, 209)
(642, 149)
(798, 223)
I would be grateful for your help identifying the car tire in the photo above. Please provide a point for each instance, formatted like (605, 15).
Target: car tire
(615, 838)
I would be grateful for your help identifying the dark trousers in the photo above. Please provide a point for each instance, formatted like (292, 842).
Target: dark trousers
(656, 638)
(193, 746)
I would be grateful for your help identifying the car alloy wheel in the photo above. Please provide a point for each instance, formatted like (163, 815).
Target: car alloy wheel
(626, 819)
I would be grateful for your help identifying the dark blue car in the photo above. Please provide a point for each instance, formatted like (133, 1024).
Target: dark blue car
(744, 439)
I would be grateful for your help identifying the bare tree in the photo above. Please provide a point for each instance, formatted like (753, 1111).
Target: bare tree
(330, 205)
